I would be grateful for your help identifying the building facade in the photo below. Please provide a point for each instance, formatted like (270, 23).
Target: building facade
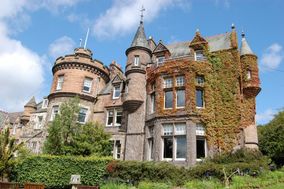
(176, 102)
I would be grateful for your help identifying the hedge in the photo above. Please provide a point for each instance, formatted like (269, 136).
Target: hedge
(55, 171)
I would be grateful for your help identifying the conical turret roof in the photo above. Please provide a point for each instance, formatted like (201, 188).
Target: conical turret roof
(245, 49)
(140, 39)
(31, 103)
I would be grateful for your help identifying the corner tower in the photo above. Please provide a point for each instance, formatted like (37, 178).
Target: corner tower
(251, 88)
(138, 56)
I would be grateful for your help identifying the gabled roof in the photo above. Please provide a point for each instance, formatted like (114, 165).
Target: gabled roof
(160, 48)
(198, 41)
(117, 79)
(32, 102)
(140, 38)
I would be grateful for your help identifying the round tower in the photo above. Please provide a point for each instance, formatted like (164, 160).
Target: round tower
(251, 88)
(138, 56)
(77, 74)
(29, 108)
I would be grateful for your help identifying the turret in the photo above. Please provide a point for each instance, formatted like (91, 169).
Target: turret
(138, 56)
(78, 74)
(29, 108)
(251, 83)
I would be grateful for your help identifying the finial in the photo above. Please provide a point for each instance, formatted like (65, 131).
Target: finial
(142, 10)
(233, 26)
(197, 31)
(150, 37)
(80, 45)
(243, 34)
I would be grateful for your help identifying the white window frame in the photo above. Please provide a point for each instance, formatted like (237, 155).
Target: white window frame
(180, 81)
(152, 103)
(114, 89)
(116, 111)
(200, 135)
(44, 103)
(174, 136)
(136, 60)
(60, 81)
(203, 100)
(197, 57)
(38, 124)
(248, 75)
(177, 98)
(160, 60)
(108, 112)
(88, 84)
(165, 99)
(115, 149)
(53, 114)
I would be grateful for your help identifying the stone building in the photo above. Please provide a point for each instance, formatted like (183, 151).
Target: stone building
(177, 102)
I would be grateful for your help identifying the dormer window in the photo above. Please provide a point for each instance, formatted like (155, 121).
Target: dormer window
(116, 92)
(136, 60)
(44, 103)
(199, 56)
(87, 85)
(160, 60)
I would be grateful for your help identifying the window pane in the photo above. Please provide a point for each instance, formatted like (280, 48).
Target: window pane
(199, 97)
(168, 147)
(168, 129)
(168, 82)
(199, 80)
(116, 92)
(181, 147)
(110, 118)
(180, 81)
(152, 103)
(180, 98)
(200, 130)
(118, 117)
(168, 99)
(180, 129)
(160, 59)
(59, 82)
(199, 55)
(82, 115)
(136, 60)
(200, 148)
(151, 147)
(87, 84)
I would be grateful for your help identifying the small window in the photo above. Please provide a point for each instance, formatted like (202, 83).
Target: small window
(152, 109)
(117, 149)
(110, 115)
(118, 117)
(180, 98)
(168, 147)
(136, 60)
(200, 147)
(39, 123)
(60, 82)
(169, 99)
(151, 148)
(200, 130)
(199, 80)
(248, 75)
(168, 82)
(54, 112)
(160, 60)
(82, 115)
(44, 103)
(180, 81)
(116, 92)
(199, 98)
(168, 129)
(199, 55)
(87, 85)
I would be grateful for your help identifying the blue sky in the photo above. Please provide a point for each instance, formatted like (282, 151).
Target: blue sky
(34, 32)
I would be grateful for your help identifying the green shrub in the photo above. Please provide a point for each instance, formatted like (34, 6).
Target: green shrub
(55, 171)
(113, 185)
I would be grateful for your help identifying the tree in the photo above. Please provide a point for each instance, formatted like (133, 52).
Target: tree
(10, 153)
(68, 137)
(271, 138)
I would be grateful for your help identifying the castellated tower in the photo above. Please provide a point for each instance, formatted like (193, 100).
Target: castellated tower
(80, 75)
(251, 88)
(138, 56)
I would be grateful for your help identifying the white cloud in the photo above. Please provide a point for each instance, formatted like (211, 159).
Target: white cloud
(265, 116)
(124, 15)
(21, 69)
(273, 56)
(63, 45)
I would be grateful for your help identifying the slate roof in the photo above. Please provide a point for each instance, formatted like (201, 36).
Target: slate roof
(13, 116)
(32, 102)
(215, 43)
(140, 38)
(245, 48)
